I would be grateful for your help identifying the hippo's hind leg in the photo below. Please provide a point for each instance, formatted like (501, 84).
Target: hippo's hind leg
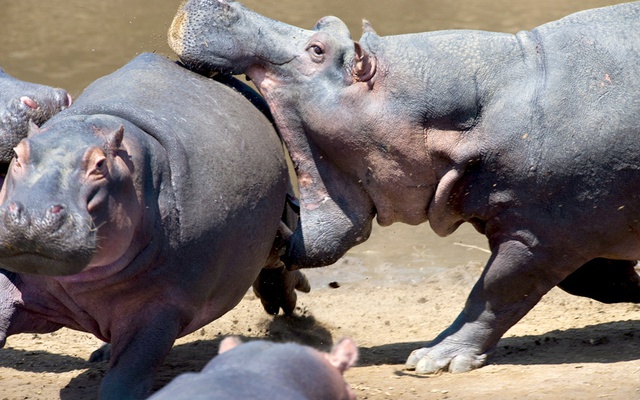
(608, 281)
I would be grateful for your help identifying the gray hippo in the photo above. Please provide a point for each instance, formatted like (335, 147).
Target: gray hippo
(260, 370)
(20, 103)
(532, 138)
(141, 213)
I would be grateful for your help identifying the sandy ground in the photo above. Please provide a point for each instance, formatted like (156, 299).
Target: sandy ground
(566, 348)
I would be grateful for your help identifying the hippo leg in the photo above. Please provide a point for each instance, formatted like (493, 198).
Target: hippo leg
(276, 285)
(514, 280)
(101, 354)
(135, 356)
(276, 288)
(608, 281)
(23, 307)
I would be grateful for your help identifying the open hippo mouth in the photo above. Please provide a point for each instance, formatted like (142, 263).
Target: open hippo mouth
(56, 242)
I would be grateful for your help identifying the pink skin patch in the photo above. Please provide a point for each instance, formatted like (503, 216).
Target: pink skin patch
(27, 101)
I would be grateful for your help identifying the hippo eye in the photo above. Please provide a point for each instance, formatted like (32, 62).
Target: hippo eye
(99, 170)
(16, 159)
(317, 52)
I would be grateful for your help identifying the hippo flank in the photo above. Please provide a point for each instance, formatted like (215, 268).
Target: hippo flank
(20, 103)
(141, 213)
(266, 370)
(532, 138)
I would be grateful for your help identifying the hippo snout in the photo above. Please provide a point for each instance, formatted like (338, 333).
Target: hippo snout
(47, 240)
(16, 217)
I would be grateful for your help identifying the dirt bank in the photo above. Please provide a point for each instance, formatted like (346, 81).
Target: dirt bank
(567, 347)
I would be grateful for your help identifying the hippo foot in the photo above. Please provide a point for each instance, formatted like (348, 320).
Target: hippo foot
(277, 287)
(102, 354)
(443, 358)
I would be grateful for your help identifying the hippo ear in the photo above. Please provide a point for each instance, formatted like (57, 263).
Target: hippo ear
(114, 139)
(229, 343)
(367, 28)
(364, 65)
(343, 355)
(33, 129)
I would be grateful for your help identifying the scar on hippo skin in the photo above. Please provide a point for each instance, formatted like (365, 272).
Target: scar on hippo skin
(528, 137)
(260, 369)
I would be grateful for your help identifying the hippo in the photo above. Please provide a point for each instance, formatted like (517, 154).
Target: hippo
(528, 137)
(21, 103)
(266, 370)
(140, 214)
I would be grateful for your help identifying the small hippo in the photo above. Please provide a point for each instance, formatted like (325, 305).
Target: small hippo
(141, 213)
(261, 370)
(20, 103)
(532, 138)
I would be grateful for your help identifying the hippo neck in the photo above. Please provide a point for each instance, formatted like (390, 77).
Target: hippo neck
(453, 77)
(454, 73)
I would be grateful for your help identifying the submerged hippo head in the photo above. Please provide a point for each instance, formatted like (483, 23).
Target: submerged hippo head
(66, 200)
(21, 102)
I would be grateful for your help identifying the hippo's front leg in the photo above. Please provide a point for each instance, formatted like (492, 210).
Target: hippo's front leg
(135, 356)
(514, 280)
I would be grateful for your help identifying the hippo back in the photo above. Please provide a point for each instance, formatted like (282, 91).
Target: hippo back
(196, 120)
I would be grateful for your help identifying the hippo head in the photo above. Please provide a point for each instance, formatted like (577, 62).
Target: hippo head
(327, 94)
(21, 102)
(60, 206)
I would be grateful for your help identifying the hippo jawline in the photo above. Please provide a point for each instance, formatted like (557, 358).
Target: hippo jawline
(32, 263)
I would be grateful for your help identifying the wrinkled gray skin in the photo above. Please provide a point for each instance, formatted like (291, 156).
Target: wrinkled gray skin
(532, 138)
(141, 213)
(20, 103)
(261, 370)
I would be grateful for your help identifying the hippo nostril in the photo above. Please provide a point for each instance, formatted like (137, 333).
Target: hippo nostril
(55, 217)
(15, 215)
(15, 207)
(29, 102)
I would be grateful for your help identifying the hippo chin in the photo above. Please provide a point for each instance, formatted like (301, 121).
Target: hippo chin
(532, 138)
(141, 213)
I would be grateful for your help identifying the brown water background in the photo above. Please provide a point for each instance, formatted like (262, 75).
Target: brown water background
(70, 43)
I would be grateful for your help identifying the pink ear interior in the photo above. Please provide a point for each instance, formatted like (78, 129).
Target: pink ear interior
(365, 66)
(229, 343)
(343, 355)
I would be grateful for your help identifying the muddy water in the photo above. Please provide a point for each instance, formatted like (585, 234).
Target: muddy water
(70, 43)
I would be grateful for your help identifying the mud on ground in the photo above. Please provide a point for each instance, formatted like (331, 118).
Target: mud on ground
(567, 347)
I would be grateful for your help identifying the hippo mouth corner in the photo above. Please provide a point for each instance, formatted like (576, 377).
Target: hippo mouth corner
(38, 264)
